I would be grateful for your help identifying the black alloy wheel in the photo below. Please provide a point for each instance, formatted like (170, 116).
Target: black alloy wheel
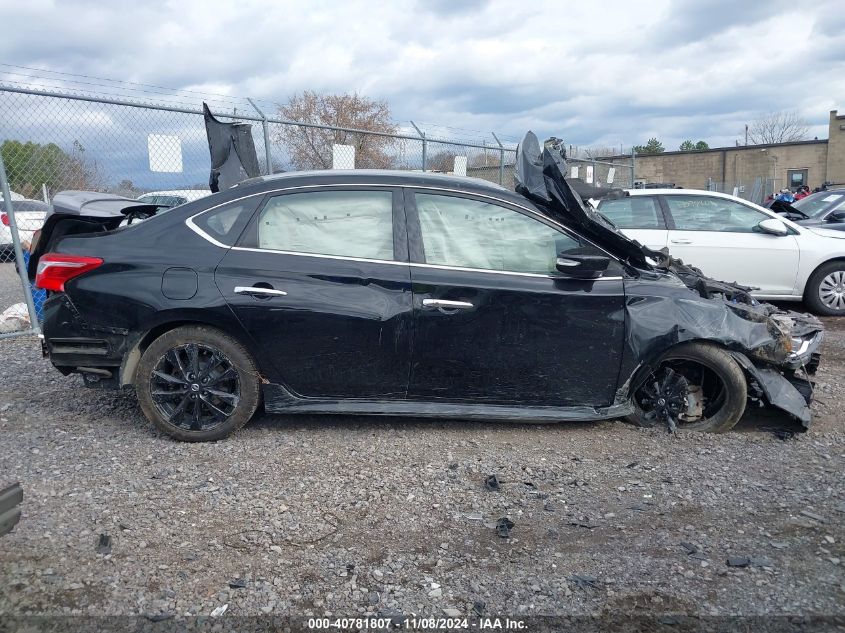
(195, 387)
(695, 386)
(197, 384)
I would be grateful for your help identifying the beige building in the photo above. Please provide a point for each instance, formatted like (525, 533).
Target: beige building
(778, 165)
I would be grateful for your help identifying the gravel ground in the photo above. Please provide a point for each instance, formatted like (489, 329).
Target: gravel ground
(347, 516)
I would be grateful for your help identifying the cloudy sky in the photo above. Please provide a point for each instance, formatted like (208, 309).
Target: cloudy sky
(609, 73)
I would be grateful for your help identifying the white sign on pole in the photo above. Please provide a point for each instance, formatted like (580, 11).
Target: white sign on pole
(343, 157)
(589, 177)
(610, 174)
(165, 153)
(573, 171)
(460, 166)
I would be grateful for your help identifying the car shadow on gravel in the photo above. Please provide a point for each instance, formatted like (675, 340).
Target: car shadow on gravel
(754, 421)
(269, 422)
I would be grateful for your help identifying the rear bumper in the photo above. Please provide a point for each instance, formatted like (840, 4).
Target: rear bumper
(74, 345)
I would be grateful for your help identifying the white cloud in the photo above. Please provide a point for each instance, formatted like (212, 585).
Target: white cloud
(608, 73)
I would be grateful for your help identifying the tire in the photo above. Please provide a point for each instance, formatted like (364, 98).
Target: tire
(825, 291)
(713, 368)
(171, 391)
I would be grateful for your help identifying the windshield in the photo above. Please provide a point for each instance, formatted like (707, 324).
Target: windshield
(821, 203)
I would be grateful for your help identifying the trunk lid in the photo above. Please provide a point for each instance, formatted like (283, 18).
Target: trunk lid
(83, 212)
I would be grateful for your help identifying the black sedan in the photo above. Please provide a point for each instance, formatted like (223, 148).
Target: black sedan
(824, 209)
(406, 293)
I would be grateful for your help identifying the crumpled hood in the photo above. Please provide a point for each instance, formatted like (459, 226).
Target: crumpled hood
(539, 176)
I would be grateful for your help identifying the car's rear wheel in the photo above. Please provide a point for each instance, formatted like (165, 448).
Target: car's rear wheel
(825, 292)
(695, 386)
(197, 384)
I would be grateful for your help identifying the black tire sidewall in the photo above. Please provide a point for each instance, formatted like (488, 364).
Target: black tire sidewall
(211, 337)
(811, 294)
(719, 362)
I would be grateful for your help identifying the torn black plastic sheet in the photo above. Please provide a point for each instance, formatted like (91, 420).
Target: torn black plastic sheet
(779, 392)
(233, 156)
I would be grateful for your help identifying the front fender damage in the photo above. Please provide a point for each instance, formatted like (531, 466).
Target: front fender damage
(775, 389)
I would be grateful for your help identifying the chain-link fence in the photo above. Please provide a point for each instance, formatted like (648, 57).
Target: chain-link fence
(602, 173)
(756, 190)
(18, 220)
(55, 141)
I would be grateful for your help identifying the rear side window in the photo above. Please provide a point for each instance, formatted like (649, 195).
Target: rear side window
(633, 212)
(226, 223)
(342, 223)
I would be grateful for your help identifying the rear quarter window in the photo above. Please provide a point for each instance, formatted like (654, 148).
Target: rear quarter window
(226, 222)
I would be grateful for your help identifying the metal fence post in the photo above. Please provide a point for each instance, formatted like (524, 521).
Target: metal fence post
(422, 136)
(266, 137)
(501, 159)
(16, 243)
(633, 166)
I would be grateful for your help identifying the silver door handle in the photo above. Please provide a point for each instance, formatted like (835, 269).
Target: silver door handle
(681, 241)
(253, 290)
(443, 304)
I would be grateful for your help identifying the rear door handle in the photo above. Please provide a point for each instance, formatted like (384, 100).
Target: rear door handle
(258, 291)
(443, 304)
(681, 241)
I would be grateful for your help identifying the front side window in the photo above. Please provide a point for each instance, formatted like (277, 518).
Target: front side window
(633, 212)
(341, 223)
(706, 213)
(473, 234)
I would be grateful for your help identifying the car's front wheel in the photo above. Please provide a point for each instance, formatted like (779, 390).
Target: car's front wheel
(825, 292)
(197, 384)
(695, 386)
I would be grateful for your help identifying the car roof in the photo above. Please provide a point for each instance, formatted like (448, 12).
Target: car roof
(383, 177)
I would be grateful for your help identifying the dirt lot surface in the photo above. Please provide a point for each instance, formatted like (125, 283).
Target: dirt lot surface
(347, 516)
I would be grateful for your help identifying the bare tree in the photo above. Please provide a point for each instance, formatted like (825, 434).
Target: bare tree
(442, 161)
(311, 148)
(778, 127)
(594, 153)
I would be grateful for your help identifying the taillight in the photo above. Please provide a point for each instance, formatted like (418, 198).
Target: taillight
(55, 270)
(4, 219)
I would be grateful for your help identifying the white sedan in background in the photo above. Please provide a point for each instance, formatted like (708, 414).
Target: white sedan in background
(29, 216)
(174, 197)
(731, 239)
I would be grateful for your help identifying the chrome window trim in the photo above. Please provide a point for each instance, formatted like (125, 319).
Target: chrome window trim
(189, 221)
(536, 215)
(509, 272)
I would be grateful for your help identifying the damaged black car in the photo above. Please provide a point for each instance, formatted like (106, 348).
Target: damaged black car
(402, 293)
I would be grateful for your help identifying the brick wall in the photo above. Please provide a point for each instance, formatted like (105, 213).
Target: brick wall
(738, 164)
(836, 149)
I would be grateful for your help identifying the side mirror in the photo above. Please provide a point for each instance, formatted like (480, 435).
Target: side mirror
(836, 216)
(773, 226)
(581, 266)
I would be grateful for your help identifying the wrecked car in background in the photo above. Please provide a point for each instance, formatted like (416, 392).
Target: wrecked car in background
(402, 293)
